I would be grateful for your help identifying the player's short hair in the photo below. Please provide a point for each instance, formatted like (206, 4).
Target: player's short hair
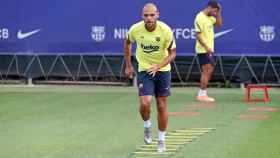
(213, 4)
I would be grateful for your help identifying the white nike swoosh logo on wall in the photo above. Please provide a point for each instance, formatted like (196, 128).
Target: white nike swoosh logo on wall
(219, 34)
(21, 35)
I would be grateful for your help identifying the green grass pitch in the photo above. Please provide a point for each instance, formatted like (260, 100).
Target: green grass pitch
(103, 122)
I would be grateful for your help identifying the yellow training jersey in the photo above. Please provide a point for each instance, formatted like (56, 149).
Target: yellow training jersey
(205, 25)
(151, 46)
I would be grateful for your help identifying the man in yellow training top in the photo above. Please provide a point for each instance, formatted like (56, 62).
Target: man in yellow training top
(204, 27)
(155, 50)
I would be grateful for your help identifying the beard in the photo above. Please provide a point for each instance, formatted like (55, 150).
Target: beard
(150, 24)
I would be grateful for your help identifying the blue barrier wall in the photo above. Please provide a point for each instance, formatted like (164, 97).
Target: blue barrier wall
(251, 27)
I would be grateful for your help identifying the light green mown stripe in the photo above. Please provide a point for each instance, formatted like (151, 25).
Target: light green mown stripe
(202, 128)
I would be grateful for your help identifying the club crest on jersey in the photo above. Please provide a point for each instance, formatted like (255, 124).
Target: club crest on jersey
(157, 39)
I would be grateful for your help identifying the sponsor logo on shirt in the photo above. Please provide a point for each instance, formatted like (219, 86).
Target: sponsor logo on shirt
(149, 48)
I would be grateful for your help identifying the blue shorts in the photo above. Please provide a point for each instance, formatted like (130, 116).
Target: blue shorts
(205, 58)
(158, 86)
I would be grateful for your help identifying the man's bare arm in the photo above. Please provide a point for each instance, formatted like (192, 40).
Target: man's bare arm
(127, 54)
(219, 19)
(167, 60)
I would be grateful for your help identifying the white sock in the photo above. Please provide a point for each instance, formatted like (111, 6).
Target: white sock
(161, 135)
(147, 124)
(202, 92)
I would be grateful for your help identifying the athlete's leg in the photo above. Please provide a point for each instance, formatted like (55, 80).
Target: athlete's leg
(162, 91)
(146, 92)
(162, 113)
(207, 70)
(145, 107)
(207, 62)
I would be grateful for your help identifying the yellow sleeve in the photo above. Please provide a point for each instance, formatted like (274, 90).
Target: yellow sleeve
(213, 19)
(198, 24)
(130, 34)
(171, 43)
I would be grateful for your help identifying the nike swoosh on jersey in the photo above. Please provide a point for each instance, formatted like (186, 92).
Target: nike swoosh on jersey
(219, 34)
(21, 35)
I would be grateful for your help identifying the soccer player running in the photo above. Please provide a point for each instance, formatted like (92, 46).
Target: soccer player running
(204, 28)
(155, 50)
